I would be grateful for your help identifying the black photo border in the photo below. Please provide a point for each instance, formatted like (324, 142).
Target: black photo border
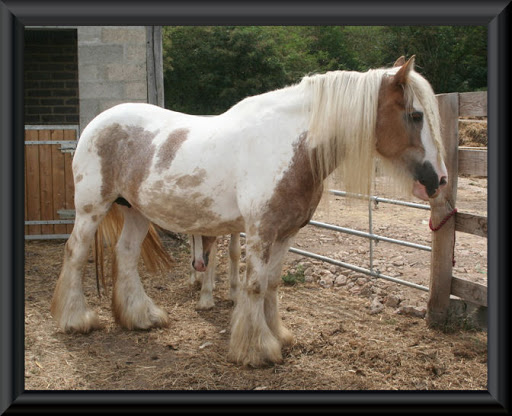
(16, 14)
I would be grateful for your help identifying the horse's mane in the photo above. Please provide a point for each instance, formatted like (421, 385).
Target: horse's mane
(343, 114)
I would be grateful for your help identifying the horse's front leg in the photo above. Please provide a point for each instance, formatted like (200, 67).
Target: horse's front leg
(253, 340)
(272, 315)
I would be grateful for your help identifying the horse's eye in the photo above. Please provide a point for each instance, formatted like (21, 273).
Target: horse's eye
(416, 116)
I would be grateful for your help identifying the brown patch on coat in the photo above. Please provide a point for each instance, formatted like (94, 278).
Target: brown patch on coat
(126, 153)
(78, 178)
(395, 133)
(94, 218)
(88, 208)
(191, 181)
(185, 212)
(208, 243)
(294, 200)
(169, 148)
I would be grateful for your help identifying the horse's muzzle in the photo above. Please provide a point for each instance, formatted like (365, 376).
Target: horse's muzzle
(428, 182)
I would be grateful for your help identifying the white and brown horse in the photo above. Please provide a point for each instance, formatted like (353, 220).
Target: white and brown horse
(203, 253)
(259, 168)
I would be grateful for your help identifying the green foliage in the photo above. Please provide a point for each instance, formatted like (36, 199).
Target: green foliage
(291, 279)
(215, 67)
(453, 58)
(208, 69)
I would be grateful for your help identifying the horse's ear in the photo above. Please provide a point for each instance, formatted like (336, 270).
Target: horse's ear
(400, 61)
(402, 74)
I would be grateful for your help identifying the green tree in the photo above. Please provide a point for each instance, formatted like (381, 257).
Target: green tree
(453, 58)
(208, 69)
(215, 67)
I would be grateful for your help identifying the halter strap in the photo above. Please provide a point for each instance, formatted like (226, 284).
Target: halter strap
(443, 222)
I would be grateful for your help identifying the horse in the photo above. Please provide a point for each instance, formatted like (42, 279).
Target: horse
(257, 168)
(203, 253)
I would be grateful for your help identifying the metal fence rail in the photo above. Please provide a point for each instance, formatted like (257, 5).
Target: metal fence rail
(356, 268)
(372, 236)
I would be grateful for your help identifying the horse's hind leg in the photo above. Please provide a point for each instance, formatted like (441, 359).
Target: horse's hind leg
(69, 306)
(195, 280)
(234, 265)
(132, 308)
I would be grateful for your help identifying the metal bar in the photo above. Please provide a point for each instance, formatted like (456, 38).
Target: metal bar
(353, 267)
(367, 235)
(49, 222)
(357, 268)
(47, 237)
(378, 199)
(370, 230)
(68, 142)
(52, 127)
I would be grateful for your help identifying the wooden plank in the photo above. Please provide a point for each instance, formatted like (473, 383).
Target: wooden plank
(33, 200)
(469, 291)
(69, 185)
(473, 161)
(25, 188)
(45, 180)
(443, 240)
(473, 104)
(471, 224)
(59, 182)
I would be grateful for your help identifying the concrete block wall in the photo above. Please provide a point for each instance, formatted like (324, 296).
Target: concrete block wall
(112, 64)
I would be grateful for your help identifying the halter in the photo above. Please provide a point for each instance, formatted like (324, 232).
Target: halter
(443, 222)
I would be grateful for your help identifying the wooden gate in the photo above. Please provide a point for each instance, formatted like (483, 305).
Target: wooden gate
(49, 188)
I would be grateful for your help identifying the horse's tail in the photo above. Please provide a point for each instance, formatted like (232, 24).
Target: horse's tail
(156, 258)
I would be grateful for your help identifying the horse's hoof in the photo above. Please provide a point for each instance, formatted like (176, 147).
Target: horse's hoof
(204, 306)
(89, 322)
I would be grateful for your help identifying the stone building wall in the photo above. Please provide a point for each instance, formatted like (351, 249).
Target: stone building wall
(112, 68)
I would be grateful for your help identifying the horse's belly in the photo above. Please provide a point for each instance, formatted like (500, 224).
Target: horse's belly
(190, 210)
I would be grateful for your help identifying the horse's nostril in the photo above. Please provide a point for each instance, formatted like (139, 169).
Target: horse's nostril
(443, 181)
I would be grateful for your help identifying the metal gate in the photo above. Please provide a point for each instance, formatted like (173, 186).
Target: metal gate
(49, 187)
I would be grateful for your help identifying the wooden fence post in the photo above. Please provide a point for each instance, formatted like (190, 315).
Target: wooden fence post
(443, 240)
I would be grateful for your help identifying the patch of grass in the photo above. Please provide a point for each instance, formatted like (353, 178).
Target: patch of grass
(291, 279)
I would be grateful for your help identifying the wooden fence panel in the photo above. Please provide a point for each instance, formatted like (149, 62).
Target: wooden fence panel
(33, 201)
(59, 181)
(473, 161)
(471, 224)
(45, 181)
(49, 184)
(473, 104)
(68, 174)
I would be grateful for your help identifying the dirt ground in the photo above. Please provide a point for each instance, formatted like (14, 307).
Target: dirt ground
(343, 339)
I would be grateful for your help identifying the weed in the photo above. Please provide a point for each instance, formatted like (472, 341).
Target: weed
(291, 279)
